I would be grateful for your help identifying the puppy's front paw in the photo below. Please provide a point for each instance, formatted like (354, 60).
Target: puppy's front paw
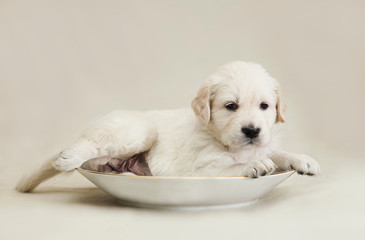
(258, 168)
(305, 165)
(67, 162)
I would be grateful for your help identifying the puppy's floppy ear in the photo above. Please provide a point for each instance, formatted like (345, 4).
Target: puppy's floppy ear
(280, 107)
(201, 103)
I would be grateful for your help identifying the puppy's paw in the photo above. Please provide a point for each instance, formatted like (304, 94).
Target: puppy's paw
(66, 162)
(305, 165)
(258, 168)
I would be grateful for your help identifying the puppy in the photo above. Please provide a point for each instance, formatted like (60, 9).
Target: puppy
(230, 131)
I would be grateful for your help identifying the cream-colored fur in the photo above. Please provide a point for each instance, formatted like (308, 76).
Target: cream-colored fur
(206, 140)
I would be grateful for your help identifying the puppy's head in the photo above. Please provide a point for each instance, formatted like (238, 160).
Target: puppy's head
(240, 105)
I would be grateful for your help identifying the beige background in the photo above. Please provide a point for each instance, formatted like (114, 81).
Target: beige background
(65, 63)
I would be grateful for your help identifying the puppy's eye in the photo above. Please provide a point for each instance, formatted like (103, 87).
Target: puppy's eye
(231, 106)
(264, 106)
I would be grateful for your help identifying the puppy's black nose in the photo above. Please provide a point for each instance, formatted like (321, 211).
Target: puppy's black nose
(251, 132)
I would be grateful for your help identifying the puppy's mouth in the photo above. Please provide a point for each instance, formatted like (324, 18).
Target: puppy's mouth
(252, 142)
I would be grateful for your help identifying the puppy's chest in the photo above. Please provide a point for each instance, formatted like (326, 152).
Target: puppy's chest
(246, 156)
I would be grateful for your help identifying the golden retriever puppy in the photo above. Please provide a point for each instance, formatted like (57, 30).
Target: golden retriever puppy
(231, 130)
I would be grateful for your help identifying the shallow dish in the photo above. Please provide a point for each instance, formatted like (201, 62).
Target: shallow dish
(184, 192)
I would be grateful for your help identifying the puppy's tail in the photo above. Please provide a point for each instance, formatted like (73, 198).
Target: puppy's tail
(31, 181)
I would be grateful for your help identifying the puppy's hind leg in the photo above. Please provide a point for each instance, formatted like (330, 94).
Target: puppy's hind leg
(118, 135)
(74, 156)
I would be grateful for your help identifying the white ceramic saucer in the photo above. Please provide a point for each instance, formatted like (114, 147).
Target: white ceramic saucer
(184, 192)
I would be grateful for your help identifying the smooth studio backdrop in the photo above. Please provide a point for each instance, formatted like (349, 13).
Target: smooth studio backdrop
(63, 64)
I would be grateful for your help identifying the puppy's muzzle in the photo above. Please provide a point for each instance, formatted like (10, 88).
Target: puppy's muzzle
(251, 132)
